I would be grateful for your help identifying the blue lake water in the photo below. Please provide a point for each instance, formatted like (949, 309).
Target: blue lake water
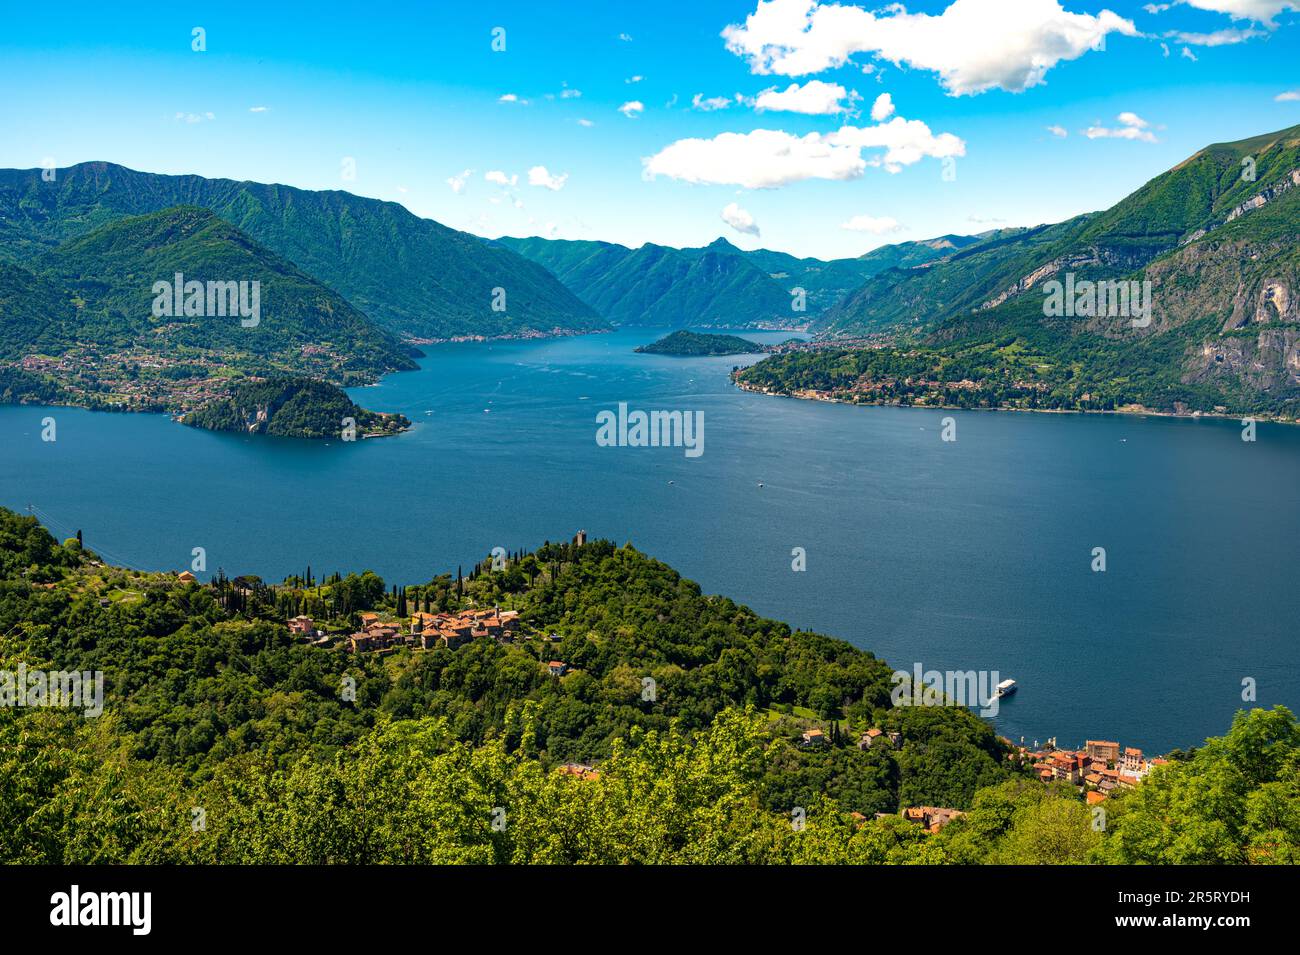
(974, 554)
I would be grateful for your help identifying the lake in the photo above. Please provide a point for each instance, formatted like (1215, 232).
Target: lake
(974, 554)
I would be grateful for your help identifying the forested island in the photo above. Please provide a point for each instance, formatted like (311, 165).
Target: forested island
(630, 718)
(688, 343)
(294, 408)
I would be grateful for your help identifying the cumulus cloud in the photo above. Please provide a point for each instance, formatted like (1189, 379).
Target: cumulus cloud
(259, 109)
(739, 219)
(872, 224)
(457, 183)
(1261, 11)
(570, 94)
(904, 141)
(814, 98)
(512, 98)
(767, 158)
(500, 178)
(1132, 126)
(632, 109)
(193, 118)
(1290, 96)
(1188, 55)
(539, 176)
(585, 122)
(760, 159)
(882, 108)
(634, 79)
(1058, 131)
(973, 45)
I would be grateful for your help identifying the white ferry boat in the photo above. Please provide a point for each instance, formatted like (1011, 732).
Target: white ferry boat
(1005, 688)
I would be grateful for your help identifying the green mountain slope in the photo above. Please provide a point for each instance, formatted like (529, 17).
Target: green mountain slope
(33, 311)
(1178, 207)
(413, 276)
(111, 273)
(656, 285)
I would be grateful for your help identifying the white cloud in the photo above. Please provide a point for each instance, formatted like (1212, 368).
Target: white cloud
(767, 158)
(1261, 11)
(193, 118)
(585, 122)
(1058, 131)
(1164, 47)
(739, 219)
(634, 79)
(1224, 37)
(882, 108)
(904, 141)
(626, 38)
(632, 109)
(1154, 8)
(1188, 55)
(500, 178)
(259, 109)
(973, 45)
(570, 94)
(512, 98)
(457, 183)
(698, 101)
(539, 176)
(760, 159)
(1132, 126)
(1290, 96)
(876, 226)
(814, 98)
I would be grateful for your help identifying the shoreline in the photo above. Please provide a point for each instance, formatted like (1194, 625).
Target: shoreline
(1139, 411)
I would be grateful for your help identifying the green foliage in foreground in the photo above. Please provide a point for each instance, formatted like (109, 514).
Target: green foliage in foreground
(224, 741)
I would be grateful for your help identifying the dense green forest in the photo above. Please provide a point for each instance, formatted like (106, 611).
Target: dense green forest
(292, 408)
(225, 740)
(692, 344)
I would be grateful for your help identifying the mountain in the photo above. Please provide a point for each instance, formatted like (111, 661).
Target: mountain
(910, 290)
(88, 325)
(715, 285)
(110, 274)
(657, 285)
(1215, 237)
(1198, 196)
(829, 281)
(413, 276)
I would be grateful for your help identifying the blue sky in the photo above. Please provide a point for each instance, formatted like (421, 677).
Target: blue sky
(413, 94)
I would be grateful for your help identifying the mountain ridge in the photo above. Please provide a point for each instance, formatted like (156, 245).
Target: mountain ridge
(413, 276)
